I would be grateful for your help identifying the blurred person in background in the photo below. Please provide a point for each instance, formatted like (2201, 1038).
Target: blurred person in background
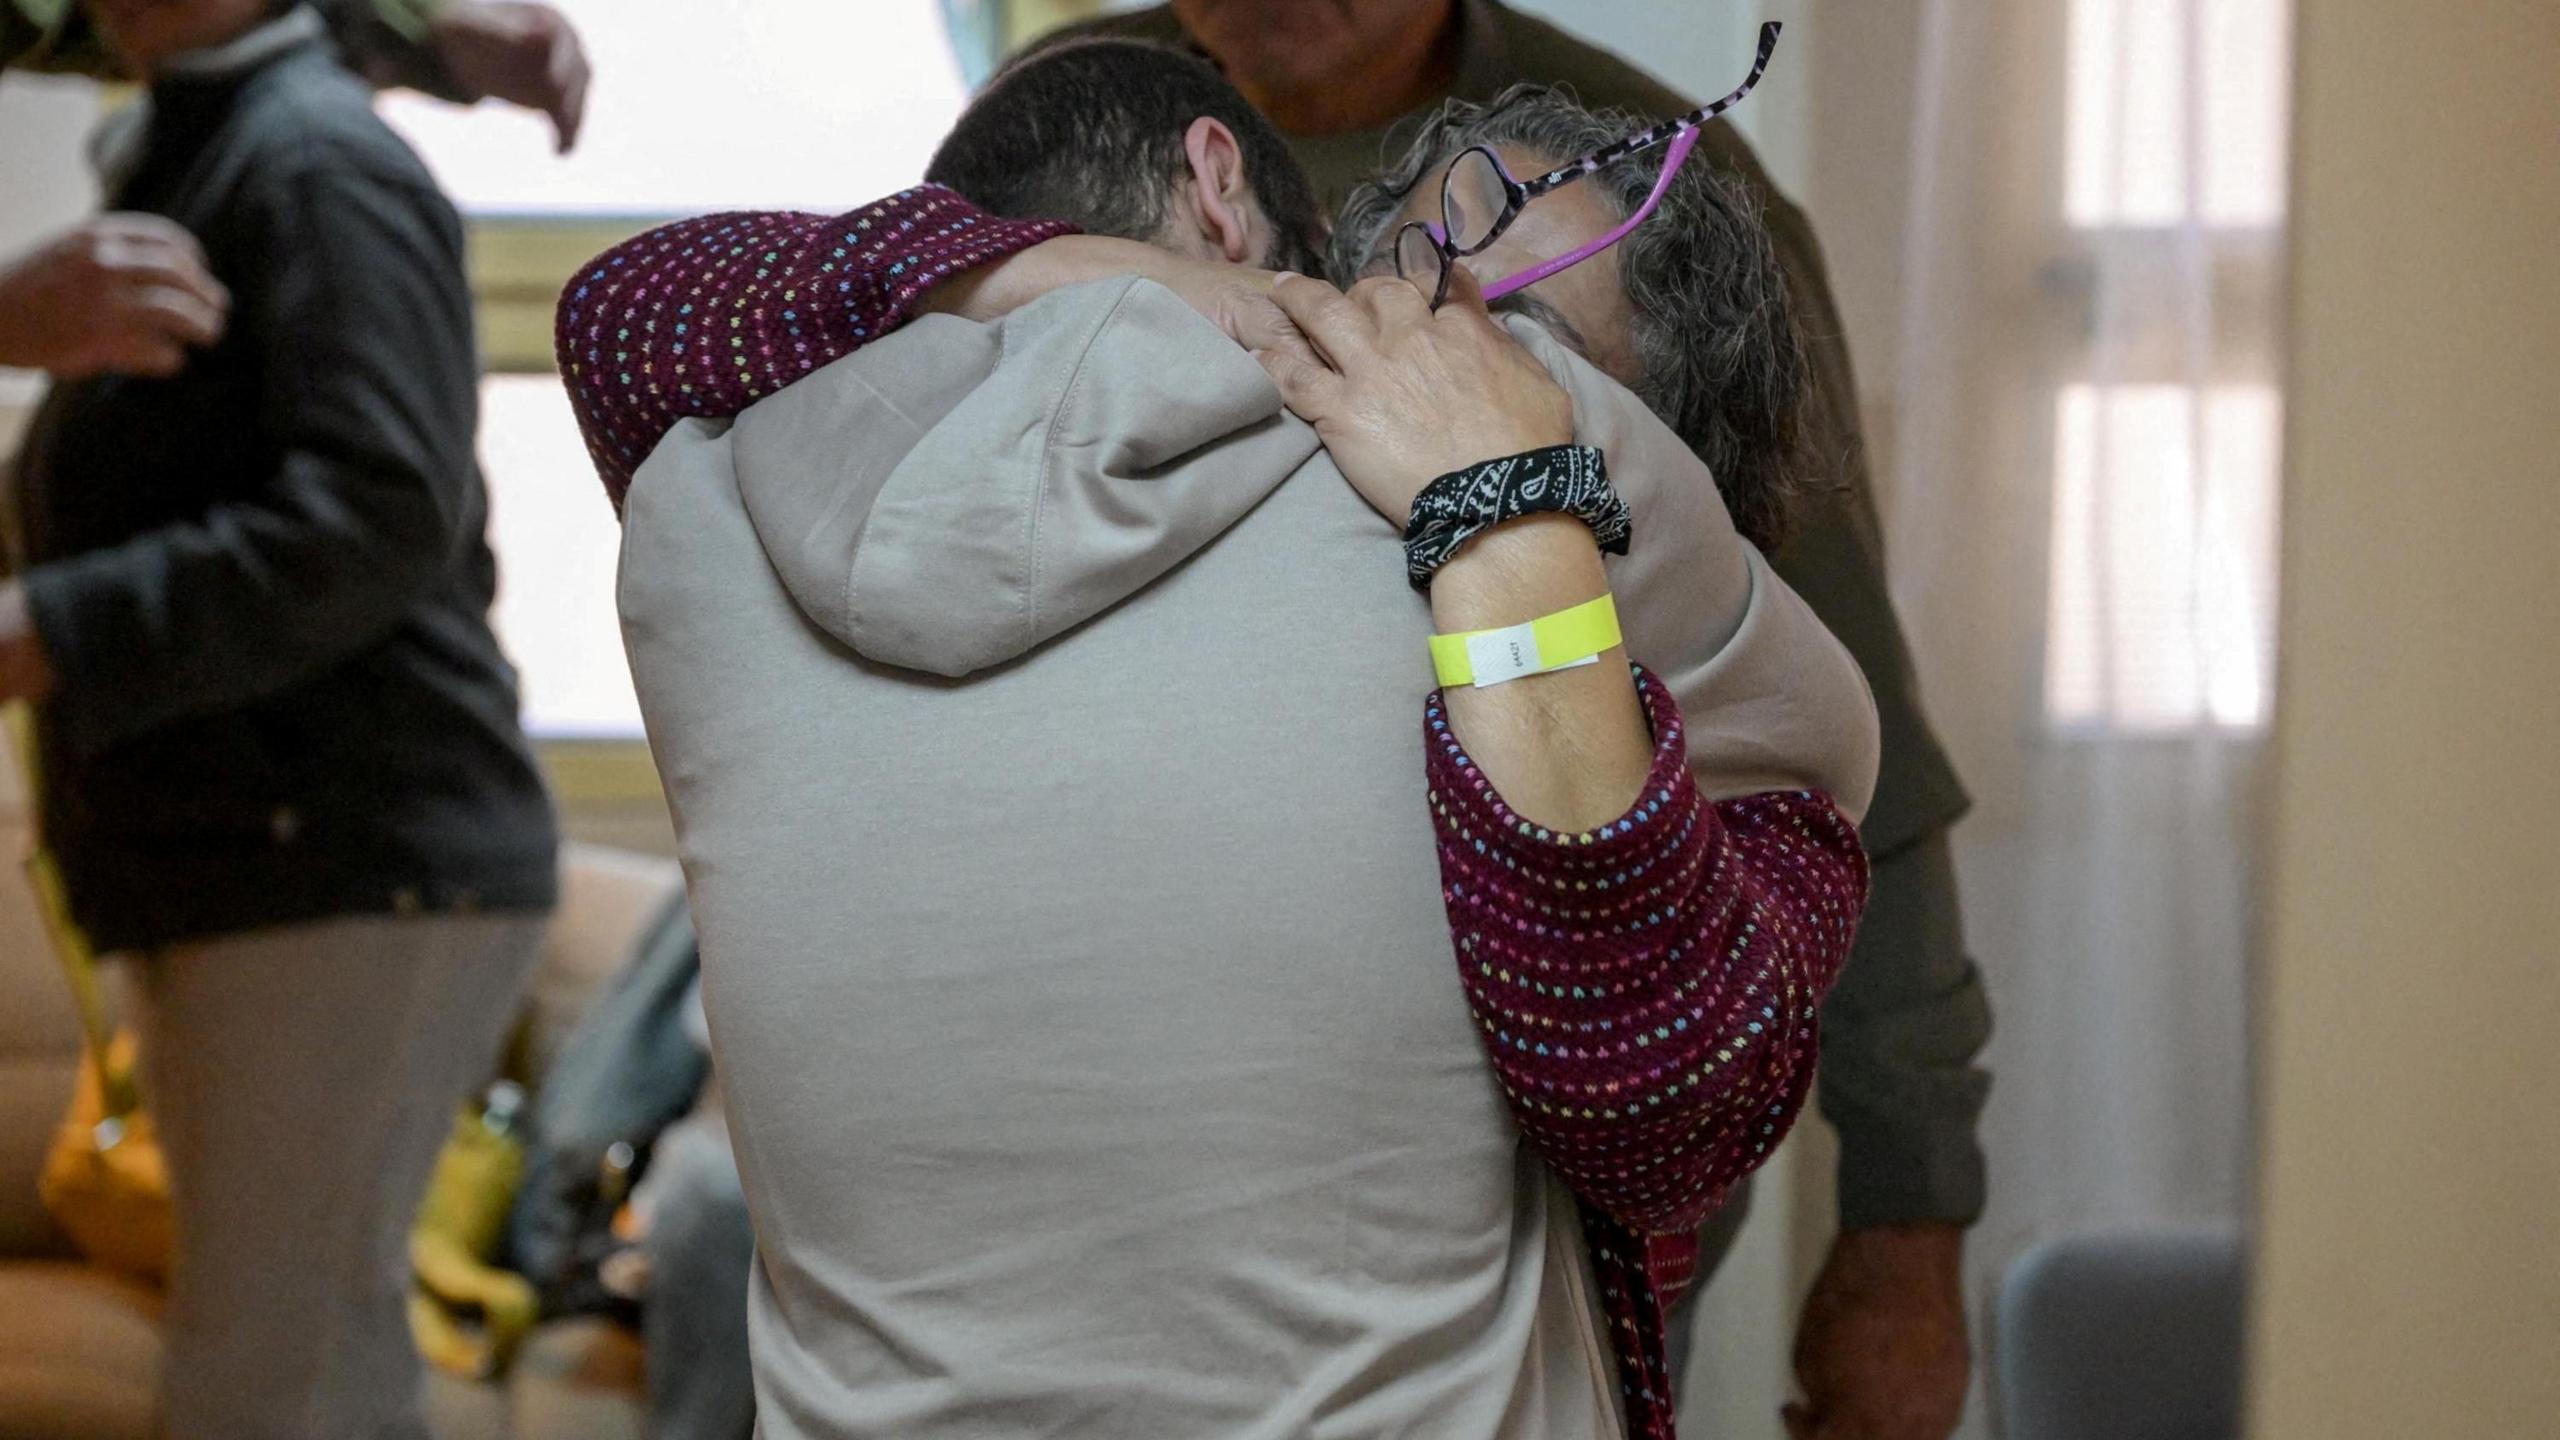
(1881, 1351)
(280, 756)
(128, 294)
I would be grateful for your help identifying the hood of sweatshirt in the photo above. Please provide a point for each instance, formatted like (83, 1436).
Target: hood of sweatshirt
(950, 497)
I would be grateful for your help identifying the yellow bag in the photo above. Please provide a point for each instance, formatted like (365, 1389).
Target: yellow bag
(105, 1180)
(466, 1314)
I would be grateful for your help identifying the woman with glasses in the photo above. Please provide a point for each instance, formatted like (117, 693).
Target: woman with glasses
(1662, 273)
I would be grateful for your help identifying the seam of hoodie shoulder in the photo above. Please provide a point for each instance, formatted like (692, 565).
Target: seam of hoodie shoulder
(853, 553)
(1032, 537)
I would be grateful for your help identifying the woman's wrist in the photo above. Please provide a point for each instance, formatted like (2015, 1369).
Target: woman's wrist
(1565, 748)
(1516, 572)
(1449, 513)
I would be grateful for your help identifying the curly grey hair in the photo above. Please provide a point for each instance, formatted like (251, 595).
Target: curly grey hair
(1716, 340)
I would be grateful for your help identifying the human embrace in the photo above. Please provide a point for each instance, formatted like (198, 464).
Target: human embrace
(1148, 1006)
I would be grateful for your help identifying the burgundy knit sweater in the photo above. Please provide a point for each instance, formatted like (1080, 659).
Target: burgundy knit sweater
(1647, 990)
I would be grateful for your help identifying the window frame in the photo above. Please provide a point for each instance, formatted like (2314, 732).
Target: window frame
(2074, 269)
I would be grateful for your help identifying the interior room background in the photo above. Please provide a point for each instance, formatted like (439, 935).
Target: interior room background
(2056, 229)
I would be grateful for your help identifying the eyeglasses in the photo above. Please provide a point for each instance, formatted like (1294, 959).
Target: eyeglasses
(1479, 199)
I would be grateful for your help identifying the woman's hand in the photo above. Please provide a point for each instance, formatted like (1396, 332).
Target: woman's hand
(125, 294)
(1402, 395)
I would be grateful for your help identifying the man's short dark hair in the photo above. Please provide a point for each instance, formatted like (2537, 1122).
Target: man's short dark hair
(1090, 131)
(1720, 355)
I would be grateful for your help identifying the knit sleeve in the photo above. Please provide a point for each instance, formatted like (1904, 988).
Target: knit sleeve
(1647, 990)
(702, 318)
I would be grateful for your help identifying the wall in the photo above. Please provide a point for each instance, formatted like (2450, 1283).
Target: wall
(2409, 1281)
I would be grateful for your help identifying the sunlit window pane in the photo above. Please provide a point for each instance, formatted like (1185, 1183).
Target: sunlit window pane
(714, 104)
(2248, 64)
(557, 547)
(2163, 573)
(2126, 126)
(697, 105)
(2141, 73)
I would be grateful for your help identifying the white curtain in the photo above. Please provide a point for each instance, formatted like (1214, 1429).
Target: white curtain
(2080, 497)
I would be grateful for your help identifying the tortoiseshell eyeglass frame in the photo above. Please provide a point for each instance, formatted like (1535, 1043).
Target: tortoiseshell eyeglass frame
(1681, 131)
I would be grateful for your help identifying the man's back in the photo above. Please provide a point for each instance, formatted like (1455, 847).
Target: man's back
(1106, 995)
(1114, 988)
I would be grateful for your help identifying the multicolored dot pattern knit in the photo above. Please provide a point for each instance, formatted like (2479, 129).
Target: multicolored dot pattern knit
(1647, 992)
(703, 318)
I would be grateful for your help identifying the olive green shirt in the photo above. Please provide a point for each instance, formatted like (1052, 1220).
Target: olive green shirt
(1909, 1017)
(387, 39)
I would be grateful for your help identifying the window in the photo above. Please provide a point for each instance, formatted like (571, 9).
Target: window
(713, 105)
(2165, 448)
(2148, 75)
(557, 548)
(697, 105)
(2164, 503)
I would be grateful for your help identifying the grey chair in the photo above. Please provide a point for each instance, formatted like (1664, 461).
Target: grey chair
(2123, 1336)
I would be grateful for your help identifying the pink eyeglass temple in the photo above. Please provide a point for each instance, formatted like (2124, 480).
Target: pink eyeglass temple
(1680, 146)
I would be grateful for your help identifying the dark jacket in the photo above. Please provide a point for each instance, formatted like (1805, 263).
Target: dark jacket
(263, 584)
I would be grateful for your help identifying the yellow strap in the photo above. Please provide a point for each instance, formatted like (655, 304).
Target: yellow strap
(70, 943)
(1550, 642)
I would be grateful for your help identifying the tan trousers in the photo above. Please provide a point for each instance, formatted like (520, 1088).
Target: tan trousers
(303, 1080)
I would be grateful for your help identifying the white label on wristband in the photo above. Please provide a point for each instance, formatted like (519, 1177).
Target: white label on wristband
(1494, 656)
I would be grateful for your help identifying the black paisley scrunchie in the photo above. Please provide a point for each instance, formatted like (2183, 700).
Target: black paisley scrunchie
(1459, 506)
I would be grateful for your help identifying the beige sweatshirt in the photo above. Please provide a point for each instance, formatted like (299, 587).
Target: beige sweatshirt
(1041, 714)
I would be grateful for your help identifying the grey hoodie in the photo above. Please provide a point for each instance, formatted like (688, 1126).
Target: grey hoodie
(1040, 711)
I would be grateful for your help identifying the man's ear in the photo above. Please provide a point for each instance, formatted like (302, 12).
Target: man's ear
(1222, 201)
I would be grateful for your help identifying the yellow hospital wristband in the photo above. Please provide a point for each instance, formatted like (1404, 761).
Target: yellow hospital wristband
(1551, 642)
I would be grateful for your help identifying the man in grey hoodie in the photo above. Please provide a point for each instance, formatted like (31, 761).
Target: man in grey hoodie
(1038, 708)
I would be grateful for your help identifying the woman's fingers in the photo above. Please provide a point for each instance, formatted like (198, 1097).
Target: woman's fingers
(1255, 321)
(1466, 292)
(1342, 333)
(1306, 386)
(1392, 302)
(1464, 305)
